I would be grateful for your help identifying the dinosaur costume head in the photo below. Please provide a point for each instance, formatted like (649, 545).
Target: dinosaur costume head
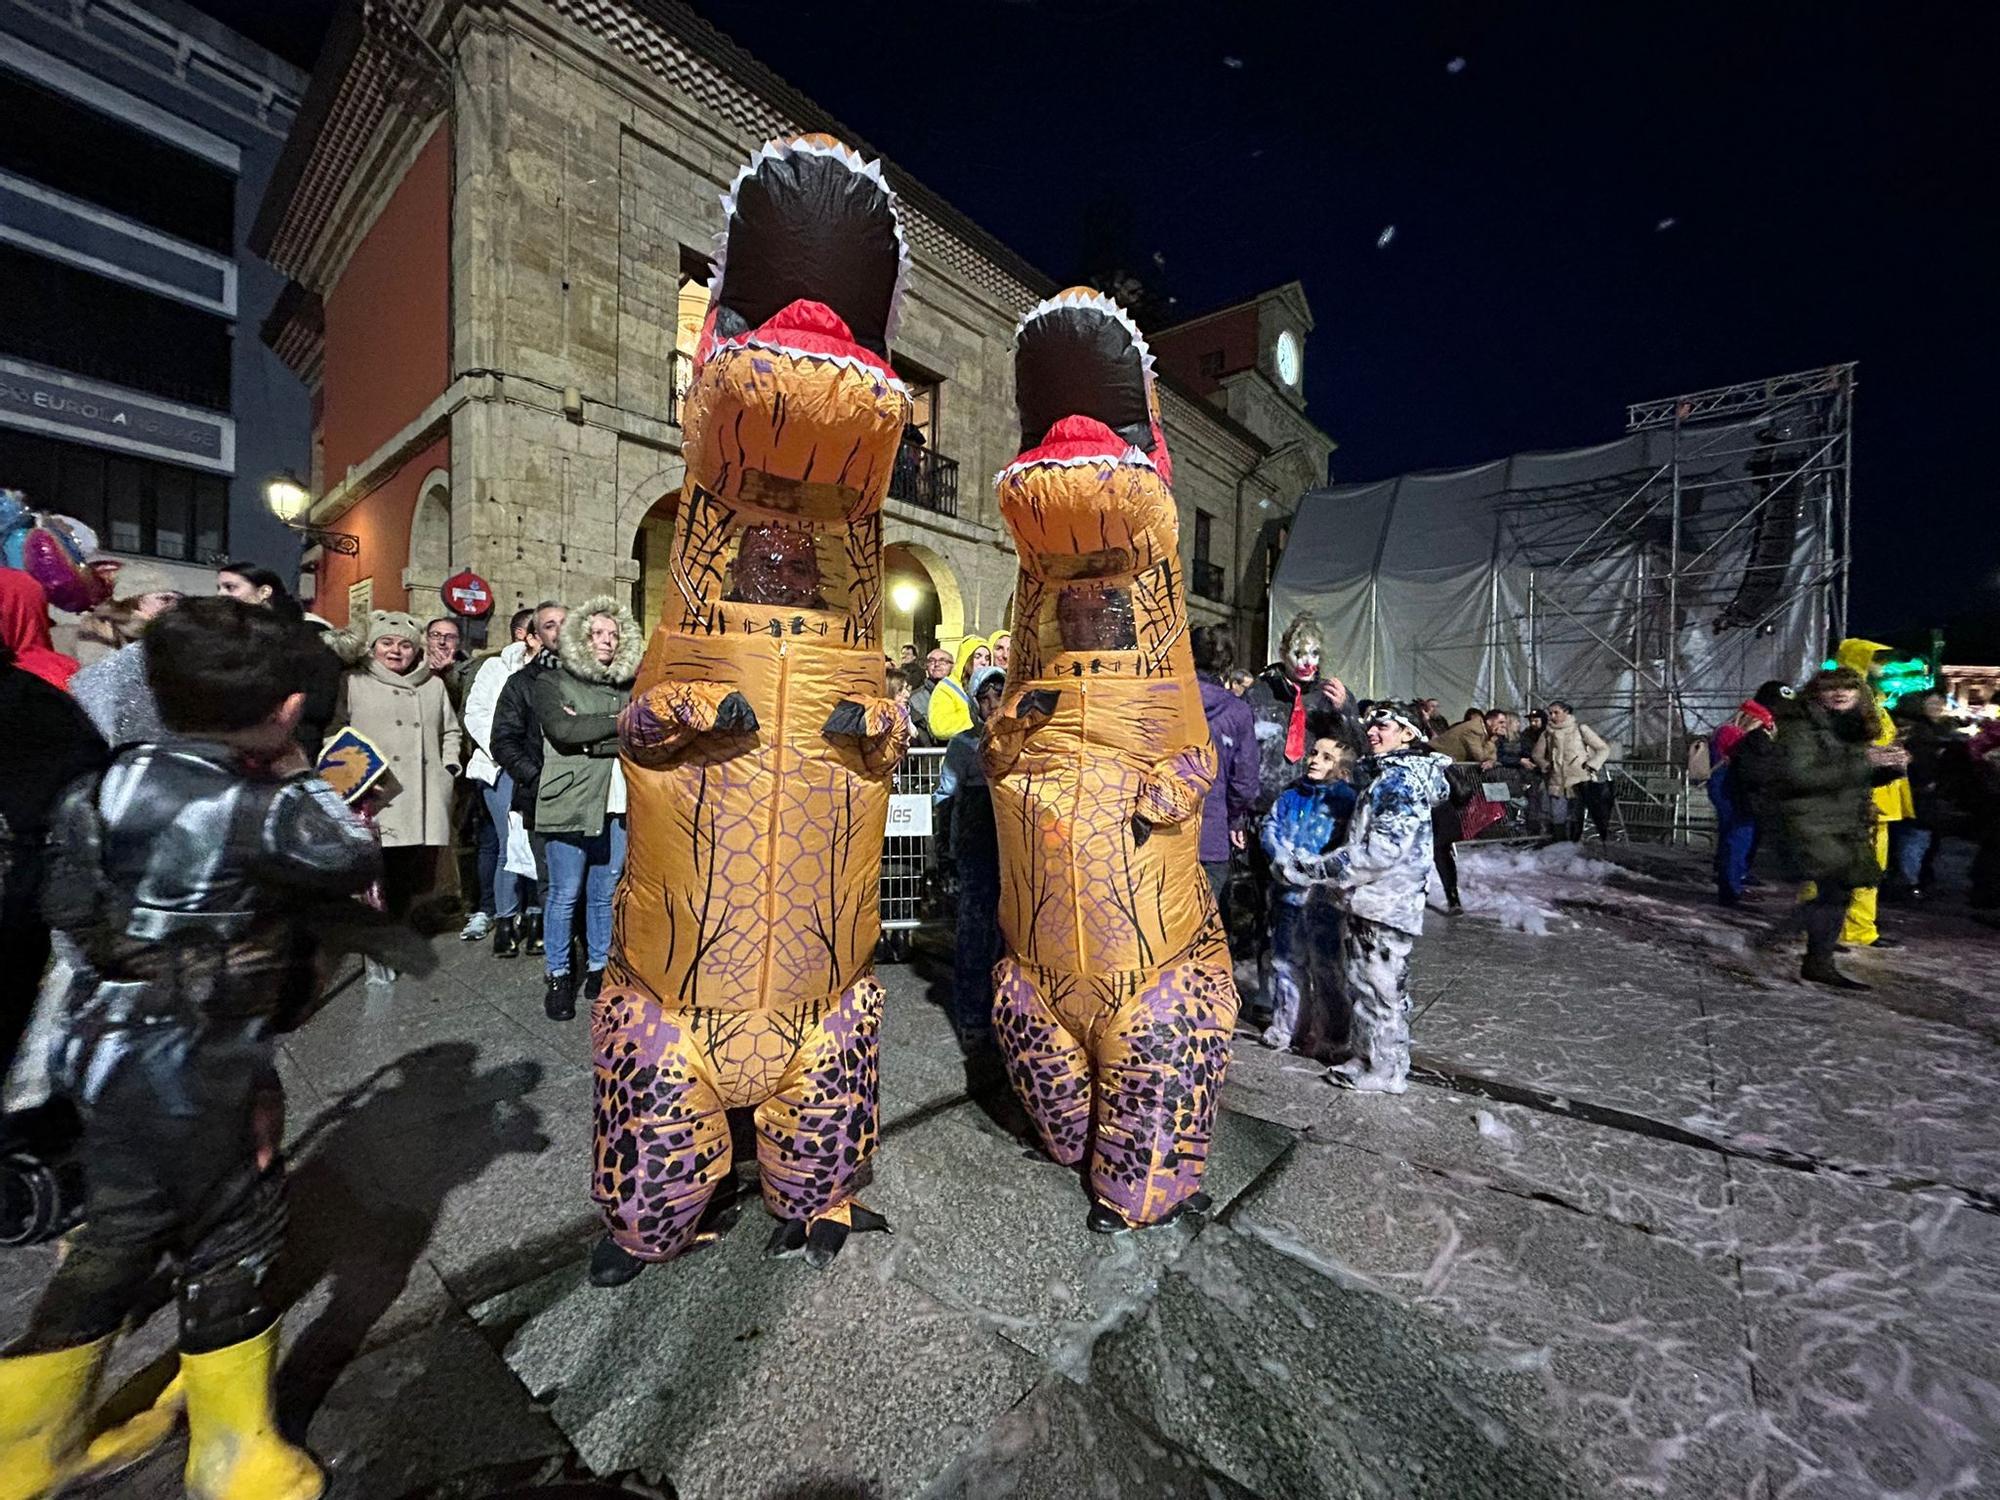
(793, 414)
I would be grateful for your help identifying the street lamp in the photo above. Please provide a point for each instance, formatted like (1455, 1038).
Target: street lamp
(289, 500)
(905, 595)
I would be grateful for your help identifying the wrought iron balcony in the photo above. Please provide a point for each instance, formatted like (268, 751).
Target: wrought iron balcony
(1206, 579)
(925, 478)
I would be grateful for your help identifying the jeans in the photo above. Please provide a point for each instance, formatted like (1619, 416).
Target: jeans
(977, 950)
(1908, 844)
(589, 868)
(1735, 837)
(506, 885)
(1586, 797)
(1444, 834)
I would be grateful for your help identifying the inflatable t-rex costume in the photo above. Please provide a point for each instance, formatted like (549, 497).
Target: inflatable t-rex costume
(758, 744)
(1115, 1002)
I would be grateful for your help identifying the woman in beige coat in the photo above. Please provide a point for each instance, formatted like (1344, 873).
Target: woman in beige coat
(1571, 754)
(401, 705)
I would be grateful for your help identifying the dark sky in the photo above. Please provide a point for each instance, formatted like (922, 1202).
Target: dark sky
(1820, 165)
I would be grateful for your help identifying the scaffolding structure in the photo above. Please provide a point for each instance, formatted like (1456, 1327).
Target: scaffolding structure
(1651, 581)
(1744, 522)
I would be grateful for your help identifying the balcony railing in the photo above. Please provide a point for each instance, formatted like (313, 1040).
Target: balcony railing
(680, 369)
(926, 479)
(1205, 578)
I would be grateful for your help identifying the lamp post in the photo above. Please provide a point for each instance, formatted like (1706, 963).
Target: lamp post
(289, 500)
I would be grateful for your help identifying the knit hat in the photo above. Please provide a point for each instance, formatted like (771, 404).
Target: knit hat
(388, 622)
(1758, 712)
(134, 580)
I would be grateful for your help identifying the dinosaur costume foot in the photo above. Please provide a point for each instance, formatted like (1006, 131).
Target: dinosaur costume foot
(823, 1238)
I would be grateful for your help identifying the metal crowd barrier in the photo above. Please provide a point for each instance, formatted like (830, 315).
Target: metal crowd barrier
(1654, 800)
(909, 857)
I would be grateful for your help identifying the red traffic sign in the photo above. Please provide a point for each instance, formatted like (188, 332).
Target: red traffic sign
(468, 594)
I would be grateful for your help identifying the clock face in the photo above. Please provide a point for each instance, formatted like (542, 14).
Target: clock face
(1288, 357)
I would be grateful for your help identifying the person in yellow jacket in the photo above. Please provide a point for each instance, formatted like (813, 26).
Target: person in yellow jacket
(951, 700)
(1893, 802)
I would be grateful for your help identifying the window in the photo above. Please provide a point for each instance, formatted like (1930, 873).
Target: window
(133, 504)
(74, 149)
(71, 320)
(1204, 530)
(1211, 365)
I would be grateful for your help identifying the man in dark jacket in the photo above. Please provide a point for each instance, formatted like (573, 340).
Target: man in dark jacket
(517, 746)
(1227, 811)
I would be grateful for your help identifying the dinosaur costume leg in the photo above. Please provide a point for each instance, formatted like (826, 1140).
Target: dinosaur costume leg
(1160, 1064)
(662, 1139)
(1048, 1065)
(816, 1133)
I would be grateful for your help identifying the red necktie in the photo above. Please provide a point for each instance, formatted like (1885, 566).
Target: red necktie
(1295, 736)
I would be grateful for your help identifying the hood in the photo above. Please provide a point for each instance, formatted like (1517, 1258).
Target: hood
(515, 655)
(983, 676)
(574, 644)
(964, 654)
(24, 629)
(1859, 654)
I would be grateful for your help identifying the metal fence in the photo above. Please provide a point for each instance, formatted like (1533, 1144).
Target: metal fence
(908, 848)
(1655, 801)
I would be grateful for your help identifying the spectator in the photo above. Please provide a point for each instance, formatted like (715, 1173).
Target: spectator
(1308, 820)
(395, 699)
(1470, 749)
(1981, 775)
(113, 689)
(1295, 705)
(907, 657)
(1927, 732)
(1430, 719)
(950, 708)
(1002, 649)
(444, 654)
(580, 798)
(1533, 726)
(517, 746)
(139, 591)
(1377, 878)
(1506, 745)
(24, 630)
(967, 838)
(323, 668)
(1893, 802)
(1230, 807)
(1735, 823)
(1572, 753)
(48, 744)
(1239, 681)
(496, 786)
(1466, 742)
(937, 668)
(1822, 777)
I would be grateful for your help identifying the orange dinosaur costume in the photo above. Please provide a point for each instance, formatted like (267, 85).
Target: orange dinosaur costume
(1115, 1002)
(758, 745)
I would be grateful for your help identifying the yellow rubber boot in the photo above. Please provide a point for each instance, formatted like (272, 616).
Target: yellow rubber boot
(117, 1448)
(234, 1450)
(44, 1403)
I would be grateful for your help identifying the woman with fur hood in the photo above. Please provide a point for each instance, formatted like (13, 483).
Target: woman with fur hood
(1378, 878)
(580, 801)
(401, 706)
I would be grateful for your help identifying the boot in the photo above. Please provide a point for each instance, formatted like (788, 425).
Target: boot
(45, 1399)
(531, 932)
(593, 985)
(506, 937)
(234, 1450)
(1822, 971)
(559, 999)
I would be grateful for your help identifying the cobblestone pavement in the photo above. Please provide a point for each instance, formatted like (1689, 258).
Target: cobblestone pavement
(1654, 1221)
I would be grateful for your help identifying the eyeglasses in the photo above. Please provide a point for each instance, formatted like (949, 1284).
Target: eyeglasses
(441, 635)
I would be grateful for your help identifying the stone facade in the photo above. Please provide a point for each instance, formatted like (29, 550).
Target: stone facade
(591, 145)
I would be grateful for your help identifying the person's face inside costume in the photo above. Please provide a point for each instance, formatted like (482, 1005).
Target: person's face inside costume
(548, 627)
(1386, 735)
(1838, 700)
(236, 586)
(396, 652)
(1302, 657)
(777, 567)
(603, 639)
(937, 666)
(1324, 762)
(1092, 618)
(988, 701)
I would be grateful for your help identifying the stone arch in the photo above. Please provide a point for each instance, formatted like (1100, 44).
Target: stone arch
(431, 538)
(645, 530)
(950, 593)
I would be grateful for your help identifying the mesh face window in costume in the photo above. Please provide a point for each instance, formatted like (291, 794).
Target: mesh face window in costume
(759, 744)
(1114, 1003)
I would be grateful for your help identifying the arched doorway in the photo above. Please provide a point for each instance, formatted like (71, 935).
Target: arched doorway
(649, 509)
(430, 536)
(923, 603)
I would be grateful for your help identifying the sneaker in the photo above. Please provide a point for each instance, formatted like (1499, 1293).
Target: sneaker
(379, 972)
(593, 984)
(476, 927)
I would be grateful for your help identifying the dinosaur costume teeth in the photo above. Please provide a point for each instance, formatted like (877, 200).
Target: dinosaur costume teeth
(1115, 1001)
(758, 745)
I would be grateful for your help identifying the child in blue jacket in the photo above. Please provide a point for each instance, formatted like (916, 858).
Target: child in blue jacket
(1308, 819)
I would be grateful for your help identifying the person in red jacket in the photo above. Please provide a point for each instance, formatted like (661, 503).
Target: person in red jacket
(24, 630)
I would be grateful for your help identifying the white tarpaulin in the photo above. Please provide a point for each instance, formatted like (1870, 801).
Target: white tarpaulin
(1555, 575)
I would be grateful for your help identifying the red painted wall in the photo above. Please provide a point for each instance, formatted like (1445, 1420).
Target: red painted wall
(388, 320)
(382, 522)
(1180, 351)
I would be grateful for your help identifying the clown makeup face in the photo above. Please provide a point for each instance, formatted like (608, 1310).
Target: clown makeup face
(1302, 657)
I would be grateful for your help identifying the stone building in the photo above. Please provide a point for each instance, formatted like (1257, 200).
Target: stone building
(497, 216)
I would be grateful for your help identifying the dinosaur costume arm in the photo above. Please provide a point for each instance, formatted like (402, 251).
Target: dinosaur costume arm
(1007, 732)
(671, 715)
(1173, 790)
(874, 727)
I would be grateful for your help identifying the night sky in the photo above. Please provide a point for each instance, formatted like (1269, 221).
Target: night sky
(1591, 205)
